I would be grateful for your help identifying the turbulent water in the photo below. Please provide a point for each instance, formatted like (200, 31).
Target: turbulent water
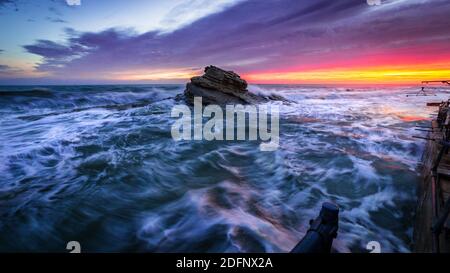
(98, 165)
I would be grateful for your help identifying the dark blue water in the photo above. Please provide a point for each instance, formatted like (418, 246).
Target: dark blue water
(98, 165)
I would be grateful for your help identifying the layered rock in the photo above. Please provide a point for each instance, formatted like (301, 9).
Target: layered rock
(218, 86)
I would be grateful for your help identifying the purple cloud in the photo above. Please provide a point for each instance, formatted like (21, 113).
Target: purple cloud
(6, 70)
(55, 53)
(3, 2)
(258, 35)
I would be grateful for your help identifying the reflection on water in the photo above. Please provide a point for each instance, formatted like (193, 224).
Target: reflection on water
(97, 164)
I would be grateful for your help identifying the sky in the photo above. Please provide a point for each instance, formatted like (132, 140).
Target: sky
(269, 41)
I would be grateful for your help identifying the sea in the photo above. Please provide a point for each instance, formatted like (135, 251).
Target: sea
(98, 165)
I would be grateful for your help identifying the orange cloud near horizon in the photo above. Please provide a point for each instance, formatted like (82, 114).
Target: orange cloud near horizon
(339, 75)
(355, 75)
(344, 74)
(153, 75)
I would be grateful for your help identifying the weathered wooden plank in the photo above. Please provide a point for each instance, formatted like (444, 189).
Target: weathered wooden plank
(444, 169)
(445, 186)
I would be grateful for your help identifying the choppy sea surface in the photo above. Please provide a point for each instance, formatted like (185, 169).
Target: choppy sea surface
(98, 165)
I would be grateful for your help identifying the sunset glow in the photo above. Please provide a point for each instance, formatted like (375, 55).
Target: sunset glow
(153, 75)
(284, 41)
(377, 75)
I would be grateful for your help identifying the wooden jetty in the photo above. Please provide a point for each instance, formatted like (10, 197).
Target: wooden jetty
(432, 224)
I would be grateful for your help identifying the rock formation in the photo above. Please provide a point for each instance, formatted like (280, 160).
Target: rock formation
(218, 86)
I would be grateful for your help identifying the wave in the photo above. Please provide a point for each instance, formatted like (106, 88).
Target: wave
(35, 92)
(101, 161)
(42, 101)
